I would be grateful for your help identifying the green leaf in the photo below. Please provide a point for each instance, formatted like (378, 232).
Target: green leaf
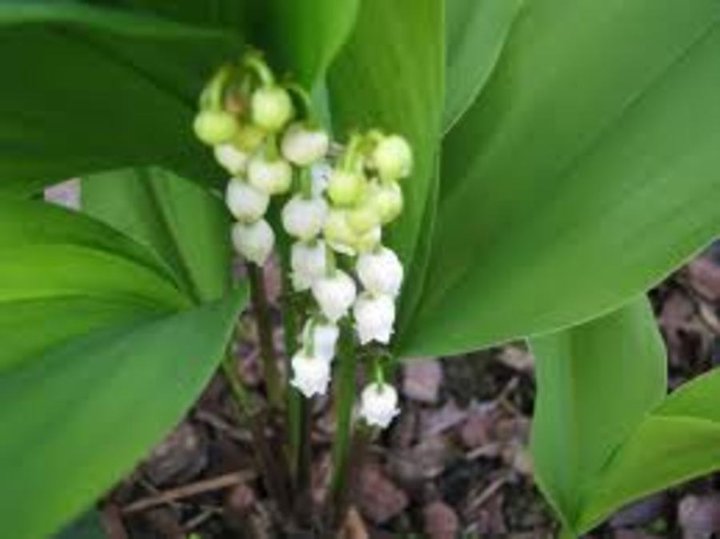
(565, 187)
(680, 440)
(184, 224)
(76, 417)
(54, 262)
(476, 33)
(88, 89)
(596, 382)
(390, 75)
(304, 37)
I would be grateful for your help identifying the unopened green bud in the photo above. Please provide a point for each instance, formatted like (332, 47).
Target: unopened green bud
(249, 137)
(338, 232)
(271, 108)
(363, 218)
(345, 188)
(393, 158)
(369, 241)
(214, 126)
(387, 199)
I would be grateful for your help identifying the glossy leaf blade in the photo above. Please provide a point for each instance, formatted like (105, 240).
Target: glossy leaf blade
(91, 407)
(565, 188)
(302, 38)
(680, 440)
(185, 225)
(54, 262)
(373, 85)
(476, 32)
(70, 73)
(596, 382)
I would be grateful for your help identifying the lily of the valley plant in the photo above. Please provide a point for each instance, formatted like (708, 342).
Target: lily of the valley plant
(430, 177)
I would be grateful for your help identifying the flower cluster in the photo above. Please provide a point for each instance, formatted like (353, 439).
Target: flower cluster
(334, 209)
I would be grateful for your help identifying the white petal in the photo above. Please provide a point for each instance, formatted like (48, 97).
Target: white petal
(378, 404)
(304, 217)
(303, 146)
(273, 177)
(311, 375)
(334, 295)
(324, 337)
(380, 271)
(308, 262)
(374, 318)
(231, 158)
(244, 201)
(254, 241)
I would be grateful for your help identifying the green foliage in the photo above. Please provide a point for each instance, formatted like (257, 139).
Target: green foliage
(565, 186)
(476, 31)
(603, 433)
(95, 329)
(558, 143)
(595, 384)
(87, 526)
(185, 225)
(87, 89)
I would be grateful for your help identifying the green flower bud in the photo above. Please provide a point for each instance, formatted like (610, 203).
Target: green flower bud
(369, 241)
(338, 233)
(271, 108)
(214, 126)
(249, 137)
(364, 217)
(345, 188)
(393, 158)
(387, 199)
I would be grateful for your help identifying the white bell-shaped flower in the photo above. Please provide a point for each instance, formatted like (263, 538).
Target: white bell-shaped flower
(308, 261)
(271, 176)
(393, 158)
(311, 375)
(380, 271)
(246, 203)
(231, 158)
(374, 318)
(254, 241)
(379, 404)
(334, 294)
(303, 146)
(321, 338)
(304, 217)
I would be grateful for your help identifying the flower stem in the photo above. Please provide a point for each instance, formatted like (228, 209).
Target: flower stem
(273, 382)
(273, 476)
(344, 400)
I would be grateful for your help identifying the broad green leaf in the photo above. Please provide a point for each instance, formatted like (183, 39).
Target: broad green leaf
(565, 188)
(76, 417)
(680, 440)
(303, 37)
(596, 382)
(390, 75)
(54, 262)
(227, 14)
(184, 224)
(476, 32)
(87, 89)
